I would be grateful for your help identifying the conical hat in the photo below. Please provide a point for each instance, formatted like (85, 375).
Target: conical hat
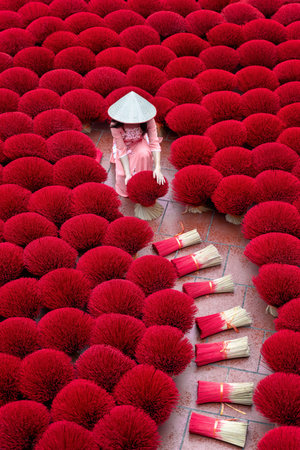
(132, 108)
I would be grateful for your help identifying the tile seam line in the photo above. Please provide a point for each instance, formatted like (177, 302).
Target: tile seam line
(209, 227)
(244, 299)
(226, 260)
(185, 429)
(259, 359)
(222, 243)
(235, 368)
(97, 143)
(163, 216)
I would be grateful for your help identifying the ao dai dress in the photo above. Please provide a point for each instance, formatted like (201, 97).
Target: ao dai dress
(129, 140)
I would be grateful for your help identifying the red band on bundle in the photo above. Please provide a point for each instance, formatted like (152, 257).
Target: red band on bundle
(230, 326)
(224, 349)
(221, 392)
(179, 242)
(215, 427)
(211, 286)
(196, 262)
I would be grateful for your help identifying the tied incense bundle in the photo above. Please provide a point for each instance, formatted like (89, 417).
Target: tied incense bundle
(218, 351)
(207, 257)
(240, 393)
(217, 286)
(215, 323)
(181, 240)
(233, 432)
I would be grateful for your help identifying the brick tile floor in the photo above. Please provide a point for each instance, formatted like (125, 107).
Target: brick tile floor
(230, 242)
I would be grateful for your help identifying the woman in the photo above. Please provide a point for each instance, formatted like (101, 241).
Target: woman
(135, 141)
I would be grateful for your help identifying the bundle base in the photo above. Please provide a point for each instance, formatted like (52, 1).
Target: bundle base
(235, 220)
(148, 212)
(86, 128)
(272, 310)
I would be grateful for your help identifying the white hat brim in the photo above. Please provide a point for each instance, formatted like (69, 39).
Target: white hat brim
(132, 108)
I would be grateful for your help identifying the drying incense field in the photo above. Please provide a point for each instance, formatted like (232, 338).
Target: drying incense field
(180, 332)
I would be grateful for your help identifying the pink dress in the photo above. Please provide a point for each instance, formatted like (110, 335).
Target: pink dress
(129, 140)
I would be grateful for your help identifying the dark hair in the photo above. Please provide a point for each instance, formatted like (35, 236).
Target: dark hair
(143, 126)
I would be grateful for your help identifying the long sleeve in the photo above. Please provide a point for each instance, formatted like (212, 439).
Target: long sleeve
(119, 142)
(154, 140)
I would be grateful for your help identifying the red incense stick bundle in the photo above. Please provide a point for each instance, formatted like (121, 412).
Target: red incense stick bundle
(207, 257)
(233, 432)
(144, 190)
(170, 245)
(231, 318)
(199, 288)
(218, 351)
(240, 393)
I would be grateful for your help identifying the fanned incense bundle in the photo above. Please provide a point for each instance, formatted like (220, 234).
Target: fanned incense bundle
(199, 288)
(170, 245)
(207, 257)
(144, 190)
(240, 393)
(231, 318)
(230, 431)
(218, 351)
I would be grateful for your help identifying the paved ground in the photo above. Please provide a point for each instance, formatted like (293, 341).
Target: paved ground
(230, 242)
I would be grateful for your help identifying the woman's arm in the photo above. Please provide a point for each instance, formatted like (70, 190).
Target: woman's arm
(157, 170)
(118, 140)
(154, 140)
(154, 143)
(122, 152)
(125, 163)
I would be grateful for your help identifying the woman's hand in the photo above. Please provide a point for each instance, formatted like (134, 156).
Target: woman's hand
(158, 175)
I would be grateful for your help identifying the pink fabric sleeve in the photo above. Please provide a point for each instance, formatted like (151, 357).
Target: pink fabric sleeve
(154, 140)
(118, 140)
